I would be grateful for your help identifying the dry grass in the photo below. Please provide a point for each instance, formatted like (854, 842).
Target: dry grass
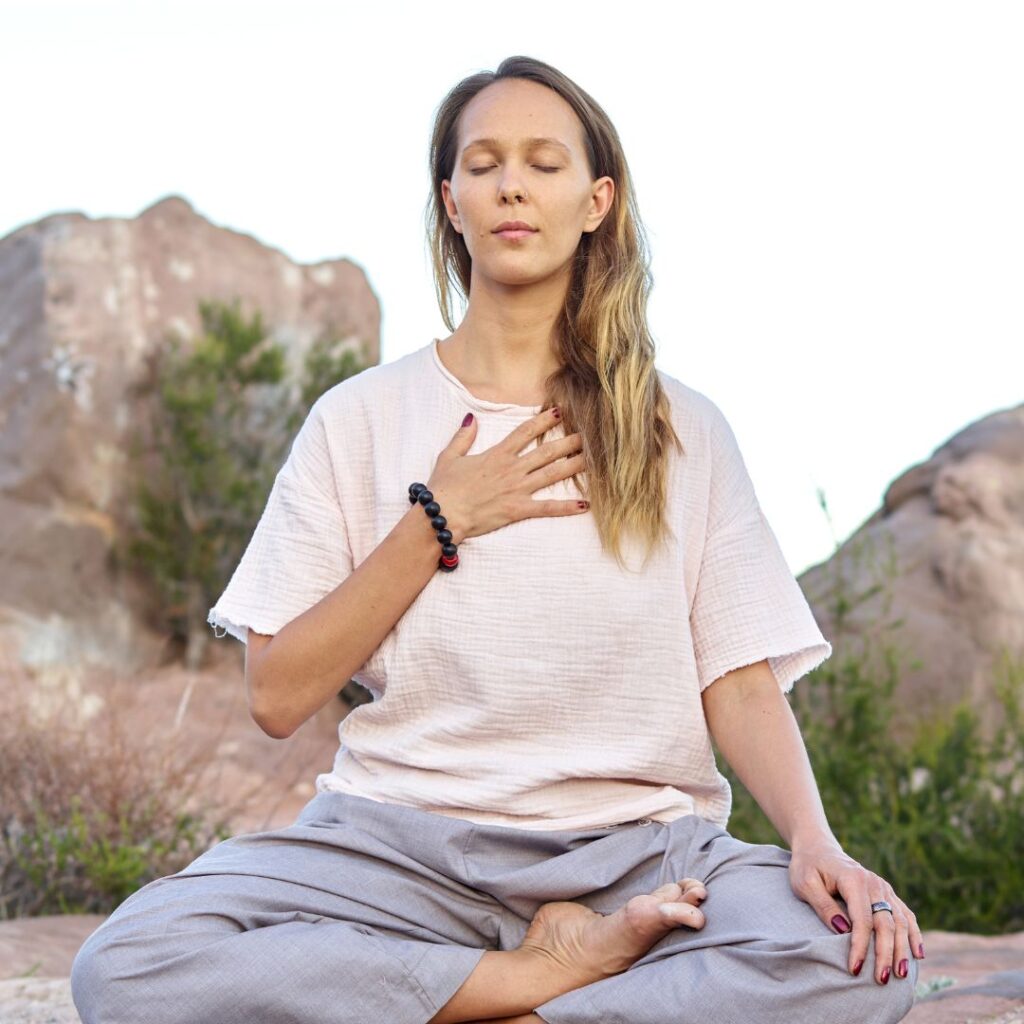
(95, 801)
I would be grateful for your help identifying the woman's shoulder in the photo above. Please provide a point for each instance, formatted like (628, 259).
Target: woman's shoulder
(378, 387)
(694, 413)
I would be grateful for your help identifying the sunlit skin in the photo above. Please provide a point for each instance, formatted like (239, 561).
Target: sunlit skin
(503, 348)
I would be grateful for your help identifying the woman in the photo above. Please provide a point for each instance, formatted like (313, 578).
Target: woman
(527, 824)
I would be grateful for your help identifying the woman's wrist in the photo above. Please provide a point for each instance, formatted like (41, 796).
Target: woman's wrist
(417, 523)
(813, 837)
(454, 522)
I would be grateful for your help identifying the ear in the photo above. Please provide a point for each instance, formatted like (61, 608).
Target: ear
(600, 202)
(449, 205)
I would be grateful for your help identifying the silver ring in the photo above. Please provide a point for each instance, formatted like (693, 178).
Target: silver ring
(881, 905)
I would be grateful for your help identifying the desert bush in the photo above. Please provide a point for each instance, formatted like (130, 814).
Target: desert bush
(221, 412)
(90, 810)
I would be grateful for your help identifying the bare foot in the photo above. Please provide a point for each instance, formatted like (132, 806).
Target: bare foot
(590, 946)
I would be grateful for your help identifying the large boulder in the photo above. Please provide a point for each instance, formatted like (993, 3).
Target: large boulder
(83, 302)
(947, 548)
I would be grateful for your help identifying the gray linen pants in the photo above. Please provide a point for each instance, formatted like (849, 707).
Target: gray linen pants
(363, 912)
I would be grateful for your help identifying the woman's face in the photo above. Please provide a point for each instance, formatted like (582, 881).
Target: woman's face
(551, 179)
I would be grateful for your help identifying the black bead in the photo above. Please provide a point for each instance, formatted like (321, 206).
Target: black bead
(419, 492)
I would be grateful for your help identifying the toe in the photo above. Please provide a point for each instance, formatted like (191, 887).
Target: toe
(668, 891)
(680, 913)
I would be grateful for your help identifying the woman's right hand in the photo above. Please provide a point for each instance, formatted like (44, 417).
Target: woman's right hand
(480, 493)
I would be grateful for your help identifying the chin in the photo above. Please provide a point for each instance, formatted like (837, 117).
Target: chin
(513, 280)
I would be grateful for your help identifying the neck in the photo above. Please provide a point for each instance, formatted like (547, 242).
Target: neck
(502, 353)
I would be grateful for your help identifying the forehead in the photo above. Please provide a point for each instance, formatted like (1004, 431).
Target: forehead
(514, 113)
(531, 143)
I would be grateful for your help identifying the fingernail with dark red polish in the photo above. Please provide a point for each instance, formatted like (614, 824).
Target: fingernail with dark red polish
(885, 975)
(920, 950)
(857, 966)
(467, 419)
(840, 924)
(903, 968)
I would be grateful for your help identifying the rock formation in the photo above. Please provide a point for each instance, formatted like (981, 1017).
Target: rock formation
(82, 303)
(951, 532)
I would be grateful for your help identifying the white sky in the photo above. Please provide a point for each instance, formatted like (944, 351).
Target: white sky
(832, 191)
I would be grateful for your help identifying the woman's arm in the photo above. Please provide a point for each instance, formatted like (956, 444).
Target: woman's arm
(294, 673)
(755, 729)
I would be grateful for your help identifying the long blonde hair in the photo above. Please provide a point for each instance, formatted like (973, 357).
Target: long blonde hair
(607, 387)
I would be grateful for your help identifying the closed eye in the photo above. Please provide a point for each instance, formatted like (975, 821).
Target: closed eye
(481, 170)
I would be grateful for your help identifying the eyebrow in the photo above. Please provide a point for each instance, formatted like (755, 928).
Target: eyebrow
(536, 141)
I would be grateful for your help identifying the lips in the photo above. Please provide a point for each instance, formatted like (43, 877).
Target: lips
(514, 225)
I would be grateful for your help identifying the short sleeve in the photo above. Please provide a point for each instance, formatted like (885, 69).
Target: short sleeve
(299, 551)
(747, 603)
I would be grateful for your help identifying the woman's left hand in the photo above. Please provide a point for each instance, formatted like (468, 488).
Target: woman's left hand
(820, 870)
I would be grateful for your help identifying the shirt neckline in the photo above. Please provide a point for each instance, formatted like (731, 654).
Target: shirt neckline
(469, 398)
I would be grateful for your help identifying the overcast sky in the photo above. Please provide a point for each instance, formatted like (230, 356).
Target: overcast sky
(832, 191)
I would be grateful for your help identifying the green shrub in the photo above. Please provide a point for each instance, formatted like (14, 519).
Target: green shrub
(222, 413)
(91, 809)
(89, 864)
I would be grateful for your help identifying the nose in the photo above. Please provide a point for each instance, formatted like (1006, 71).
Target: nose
(512, 191)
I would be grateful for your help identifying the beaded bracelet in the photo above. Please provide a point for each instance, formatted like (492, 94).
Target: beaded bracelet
(449, 559)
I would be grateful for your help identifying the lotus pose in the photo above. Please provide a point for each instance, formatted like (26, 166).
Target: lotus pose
(545, 560)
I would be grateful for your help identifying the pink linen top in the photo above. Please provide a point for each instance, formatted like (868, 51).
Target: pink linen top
(538, 686)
